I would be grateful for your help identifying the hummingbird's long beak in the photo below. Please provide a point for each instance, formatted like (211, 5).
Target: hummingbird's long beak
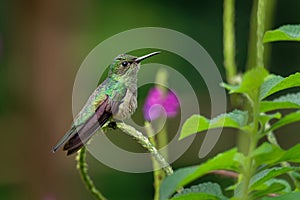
(139, 59)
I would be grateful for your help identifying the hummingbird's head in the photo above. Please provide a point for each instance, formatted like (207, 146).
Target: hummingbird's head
(128, 65)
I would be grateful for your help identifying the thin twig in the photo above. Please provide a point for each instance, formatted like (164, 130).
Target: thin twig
(144, 141)
(82, 167)
(129, 130)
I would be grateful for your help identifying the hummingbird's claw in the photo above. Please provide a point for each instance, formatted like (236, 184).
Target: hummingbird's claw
(112, 125)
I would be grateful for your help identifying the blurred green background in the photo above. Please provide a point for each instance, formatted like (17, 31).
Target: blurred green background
(42, 44)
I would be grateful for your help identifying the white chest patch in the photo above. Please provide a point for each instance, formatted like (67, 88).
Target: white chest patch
(127, 107)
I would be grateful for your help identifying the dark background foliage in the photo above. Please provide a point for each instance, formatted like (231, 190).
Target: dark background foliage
(42, 44)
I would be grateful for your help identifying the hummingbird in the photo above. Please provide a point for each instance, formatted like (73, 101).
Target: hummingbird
(114, 99)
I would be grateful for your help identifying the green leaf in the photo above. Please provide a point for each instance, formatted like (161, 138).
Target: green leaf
(277, 186)
(275, 84)
(292, 154)
(266, 106)
(265, 118)
(286, 186)
(283, 33)
(184, 176)
(230, 88)
(172, 183)
(270, 154)
(267, 174)
(196, 196)
(287, 119)
(239, 158)
(198, 123)
(287, 101)
(202, 191)
(251, 83)
(270, 81)
(292, 98)
(289, 196)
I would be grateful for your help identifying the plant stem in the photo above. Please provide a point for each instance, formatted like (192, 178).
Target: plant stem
(248, 167)
(252, 44)
(261, 11)
(251, 57)
(229, 41)
(162, 137)
(158, 174)
(144, 141)
(82, 167)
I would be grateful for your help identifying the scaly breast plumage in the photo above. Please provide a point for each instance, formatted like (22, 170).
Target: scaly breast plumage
(127, 107)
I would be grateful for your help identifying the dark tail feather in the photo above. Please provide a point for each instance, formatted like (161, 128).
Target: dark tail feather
(64, 139)
(77, 141)
(70, 152)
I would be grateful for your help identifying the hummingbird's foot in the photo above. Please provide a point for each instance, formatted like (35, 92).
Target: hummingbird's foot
(112, 125)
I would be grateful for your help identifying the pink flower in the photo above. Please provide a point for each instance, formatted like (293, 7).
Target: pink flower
(158, 103)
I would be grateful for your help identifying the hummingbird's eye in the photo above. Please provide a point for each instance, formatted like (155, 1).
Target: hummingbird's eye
(125, 64)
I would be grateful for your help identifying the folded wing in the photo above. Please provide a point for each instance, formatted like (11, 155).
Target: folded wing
(79, 135)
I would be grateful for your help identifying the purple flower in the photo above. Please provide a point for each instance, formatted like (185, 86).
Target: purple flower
(157, 103)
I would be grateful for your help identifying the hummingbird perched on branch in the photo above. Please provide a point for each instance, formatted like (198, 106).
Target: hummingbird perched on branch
(114, 99)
